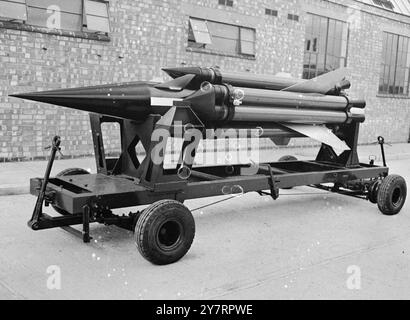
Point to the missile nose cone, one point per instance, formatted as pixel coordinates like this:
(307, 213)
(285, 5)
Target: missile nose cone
(127, 100)
(17, 95)
(27, 96)
(102, 94)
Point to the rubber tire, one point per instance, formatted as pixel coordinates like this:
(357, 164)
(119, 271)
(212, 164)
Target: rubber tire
(373, 191)
(151, 221)
(287, 158)
(386, 191)
(68, 172)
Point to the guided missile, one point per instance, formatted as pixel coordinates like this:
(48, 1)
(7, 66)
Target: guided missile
(223, 100)
(212, 103)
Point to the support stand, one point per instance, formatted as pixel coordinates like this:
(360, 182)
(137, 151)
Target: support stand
(153, 134)
(38, 209)
(349, 158)
(86, 224)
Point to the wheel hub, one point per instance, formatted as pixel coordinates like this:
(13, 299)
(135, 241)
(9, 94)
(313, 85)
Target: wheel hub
(397, 197)
(169, 235)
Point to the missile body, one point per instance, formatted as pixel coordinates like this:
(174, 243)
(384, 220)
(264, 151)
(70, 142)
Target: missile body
(270, 98)
(247, 105)
(288, 115)
(259, 81)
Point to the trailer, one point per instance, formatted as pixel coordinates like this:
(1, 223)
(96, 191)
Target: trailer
(165, 229)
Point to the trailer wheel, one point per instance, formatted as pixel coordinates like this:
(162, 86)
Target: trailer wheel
(68, 172)
(392, 194)
(164, 232)
(287, 158)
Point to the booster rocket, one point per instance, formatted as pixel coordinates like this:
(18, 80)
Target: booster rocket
(261, 81)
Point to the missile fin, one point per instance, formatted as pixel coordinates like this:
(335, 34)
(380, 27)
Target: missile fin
(168, 118)
(177, 84)
(322, 84)
(180, 71)
(321, 134)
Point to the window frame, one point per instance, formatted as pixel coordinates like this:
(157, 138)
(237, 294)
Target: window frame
(238, 49)
(21, 3)
(226, 3)
(385, 4)
(385, 63)
(293, 17)
(31, 7)
(327, 40)
(81, 32)
(195, 33)
(84, 17)
(271, 12)
(242, 40)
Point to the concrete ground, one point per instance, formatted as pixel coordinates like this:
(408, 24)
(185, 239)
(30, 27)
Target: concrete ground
(250, 247)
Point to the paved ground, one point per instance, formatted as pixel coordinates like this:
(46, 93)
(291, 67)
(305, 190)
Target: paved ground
(299, 247)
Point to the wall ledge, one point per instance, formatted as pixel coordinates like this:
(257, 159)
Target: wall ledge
(57, 32)
(392, 96)
(216, 53)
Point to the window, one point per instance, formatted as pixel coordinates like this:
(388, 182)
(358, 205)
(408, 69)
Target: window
(221, 37)
(325, 45)
(200, 31)
(13, 10)
(395, 65)
(293, 17)
(96, 16)
(228, 3)
(384, 4)
(271, 12)
(74, 15)
(55, 14)
(247, 37)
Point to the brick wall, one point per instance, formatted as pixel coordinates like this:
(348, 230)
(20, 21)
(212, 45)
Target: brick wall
(148, 34)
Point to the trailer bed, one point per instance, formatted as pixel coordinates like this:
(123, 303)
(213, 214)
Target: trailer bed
(72, 193)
